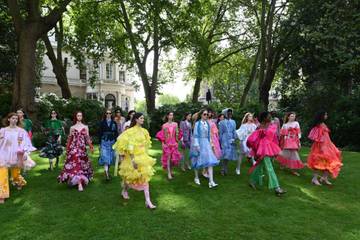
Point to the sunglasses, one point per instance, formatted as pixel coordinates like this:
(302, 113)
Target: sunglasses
(108, 113)
(205, 114)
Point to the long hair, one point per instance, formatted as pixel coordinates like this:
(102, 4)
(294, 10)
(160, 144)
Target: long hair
(166, 117)
(201, 113)
(75, 119)
(185, 115)
(263, 116)
(5, 121)
(129, 115)
(104, 115)
(319, 118)
(287, 115)
(246, 117)
(57, 114)
(135, 117)
(219, 116)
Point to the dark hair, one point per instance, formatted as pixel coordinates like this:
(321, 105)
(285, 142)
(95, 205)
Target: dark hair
(219, 116)
(57, 114)
(104, 115)
(136, 116)
(319, 118)
(185, 115)
(5, 121)
(75, 119)
(118, 110)
(209, 109)
(287, 115)
(201, 113)
(166, 117)
(25, 115)
(263, 116)
(129, 114)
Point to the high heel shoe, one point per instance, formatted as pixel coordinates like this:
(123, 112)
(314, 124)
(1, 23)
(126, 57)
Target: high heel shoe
(279, 191)
(212, 184)
(150, 206)
(125, 195)
(326, 181)
(107, 176)
(237, 171)
(316, 182)
(197, 181)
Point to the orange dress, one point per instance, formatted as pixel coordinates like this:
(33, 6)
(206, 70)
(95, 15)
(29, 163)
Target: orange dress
(324, 155)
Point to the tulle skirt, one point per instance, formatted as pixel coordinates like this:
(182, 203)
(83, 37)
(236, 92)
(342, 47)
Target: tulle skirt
(290, 158)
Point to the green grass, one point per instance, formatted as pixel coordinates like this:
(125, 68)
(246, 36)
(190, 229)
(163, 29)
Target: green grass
(48, 210)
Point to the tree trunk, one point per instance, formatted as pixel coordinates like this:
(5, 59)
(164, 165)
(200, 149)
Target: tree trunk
(58, 68)
(23, 89)
(251, 79)
(265, 88)
(198, 80)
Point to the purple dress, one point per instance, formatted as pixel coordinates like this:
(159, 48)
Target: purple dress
(185, 127)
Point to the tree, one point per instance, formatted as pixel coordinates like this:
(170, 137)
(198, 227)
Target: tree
(168, 99)
(59, 64)
(140, 33)
(211, 33)
(30, 25)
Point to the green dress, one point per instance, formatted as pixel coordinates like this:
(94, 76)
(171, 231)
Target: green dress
(53, 148)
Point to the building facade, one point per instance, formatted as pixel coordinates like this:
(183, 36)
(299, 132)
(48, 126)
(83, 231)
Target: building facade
(112, 86)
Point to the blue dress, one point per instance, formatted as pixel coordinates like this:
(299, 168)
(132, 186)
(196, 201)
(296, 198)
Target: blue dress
(228, 136)
(201, 152)
(108, 133)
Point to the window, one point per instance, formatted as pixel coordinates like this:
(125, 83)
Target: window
(83, 76)
(121, 76)
(109, 71)
(91, 96)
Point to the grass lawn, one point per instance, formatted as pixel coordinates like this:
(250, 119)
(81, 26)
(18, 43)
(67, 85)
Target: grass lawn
(45, 209)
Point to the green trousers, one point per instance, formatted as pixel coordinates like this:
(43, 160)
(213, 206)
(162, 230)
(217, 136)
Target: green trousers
(256, 176)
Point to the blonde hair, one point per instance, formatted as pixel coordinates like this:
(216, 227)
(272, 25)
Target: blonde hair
(245, 118)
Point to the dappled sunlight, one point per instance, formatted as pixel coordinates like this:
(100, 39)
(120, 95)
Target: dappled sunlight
(173, 202)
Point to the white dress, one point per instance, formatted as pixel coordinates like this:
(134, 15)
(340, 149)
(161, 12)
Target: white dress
(245, 130)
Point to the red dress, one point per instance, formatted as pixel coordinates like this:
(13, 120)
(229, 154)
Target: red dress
(324, 155)
(77, 166)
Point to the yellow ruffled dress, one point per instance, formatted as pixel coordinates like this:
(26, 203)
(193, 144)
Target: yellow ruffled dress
(136, 141)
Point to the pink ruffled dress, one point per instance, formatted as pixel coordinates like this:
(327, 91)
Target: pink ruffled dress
(263, 142)
(170, 135)
(290, 135)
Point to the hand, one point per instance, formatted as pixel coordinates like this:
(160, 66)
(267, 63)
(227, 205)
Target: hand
(92, 149)
(197, 148)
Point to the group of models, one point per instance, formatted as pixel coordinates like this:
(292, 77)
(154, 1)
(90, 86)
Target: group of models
(206, 140)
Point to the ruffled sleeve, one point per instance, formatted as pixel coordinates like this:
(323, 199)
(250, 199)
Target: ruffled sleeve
(316, 134)
(196, 134)
(160, 135)
(147, 139)
(241, 132)
(26, 142)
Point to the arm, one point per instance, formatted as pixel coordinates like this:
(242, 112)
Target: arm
(196, 135)
(88, 139)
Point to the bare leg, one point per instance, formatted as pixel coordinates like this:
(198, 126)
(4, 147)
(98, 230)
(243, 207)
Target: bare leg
(124, 191)
(148, 202)
(169, 169)
(239, 165)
